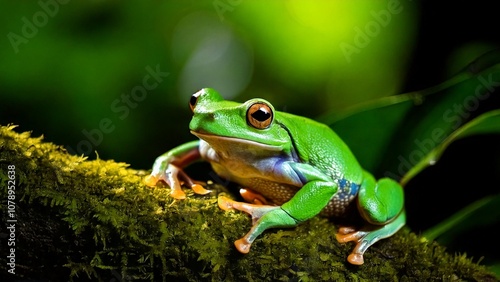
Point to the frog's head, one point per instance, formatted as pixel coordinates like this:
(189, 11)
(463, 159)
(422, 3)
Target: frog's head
(217, 120)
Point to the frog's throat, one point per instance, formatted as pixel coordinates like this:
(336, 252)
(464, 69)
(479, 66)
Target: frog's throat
(217, 139)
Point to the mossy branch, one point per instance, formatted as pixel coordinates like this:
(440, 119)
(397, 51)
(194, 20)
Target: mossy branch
(96, 220)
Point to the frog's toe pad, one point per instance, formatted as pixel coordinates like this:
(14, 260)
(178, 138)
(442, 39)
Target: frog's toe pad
(356, 259)
(225, 203)
(343, 238)
(253, 197)
(151, 180)
(178, 194)
(242, 245)
(198, 189)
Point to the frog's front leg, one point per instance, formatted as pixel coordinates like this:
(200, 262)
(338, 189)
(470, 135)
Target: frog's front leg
(306, 203)
(380, 204)
(168, 167)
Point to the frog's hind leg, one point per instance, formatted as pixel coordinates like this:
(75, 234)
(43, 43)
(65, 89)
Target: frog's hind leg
(368, 237)
(381, 204)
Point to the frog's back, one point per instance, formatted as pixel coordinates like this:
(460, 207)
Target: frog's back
(318, 145)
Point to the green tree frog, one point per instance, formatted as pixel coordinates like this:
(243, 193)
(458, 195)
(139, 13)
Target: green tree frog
(292, 168)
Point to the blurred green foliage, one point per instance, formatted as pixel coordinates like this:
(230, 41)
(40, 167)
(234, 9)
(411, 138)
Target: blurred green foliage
(66, 67)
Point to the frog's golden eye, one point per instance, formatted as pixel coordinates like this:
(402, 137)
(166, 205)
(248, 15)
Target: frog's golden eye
(260, 115)
(193, 100)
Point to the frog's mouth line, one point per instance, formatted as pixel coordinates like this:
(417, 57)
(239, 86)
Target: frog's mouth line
(211, 139)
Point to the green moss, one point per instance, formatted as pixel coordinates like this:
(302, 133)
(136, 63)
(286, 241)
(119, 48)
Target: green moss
(96, 220)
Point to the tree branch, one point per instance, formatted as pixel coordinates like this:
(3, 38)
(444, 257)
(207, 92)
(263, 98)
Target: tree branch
(86, 220)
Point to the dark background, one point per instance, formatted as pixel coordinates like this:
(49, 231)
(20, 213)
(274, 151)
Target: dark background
(469, 169)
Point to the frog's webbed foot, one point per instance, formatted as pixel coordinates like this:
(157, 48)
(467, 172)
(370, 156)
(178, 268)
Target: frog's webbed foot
(263, 217)
(175, 177)
(255, 204)
(254, 210)
(366, 237)
(347, 234)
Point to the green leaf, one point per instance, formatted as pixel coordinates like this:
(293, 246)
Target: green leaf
(374, 121)
(391, 135)
(486, 123)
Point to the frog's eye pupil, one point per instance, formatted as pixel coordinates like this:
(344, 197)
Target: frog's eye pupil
(193, 100)
(260, 115)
